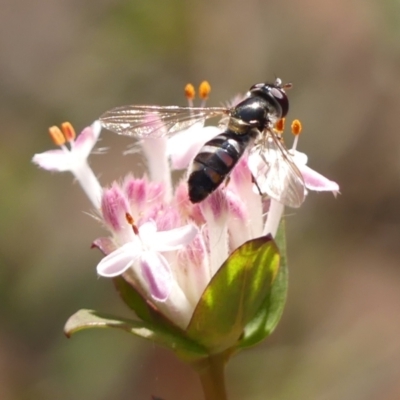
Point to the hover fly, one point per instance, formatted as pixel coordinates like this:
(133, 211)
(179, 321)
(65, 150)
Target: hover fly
(248, 126)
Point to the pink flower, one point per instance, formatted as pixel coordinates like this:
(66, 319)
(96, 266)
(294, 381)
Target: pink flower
(148, 236)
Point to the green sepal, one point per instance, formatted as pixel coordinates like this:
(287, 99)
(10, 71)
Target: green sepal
(136, 302)
(234, 295)
(270, 312)
(185, 348)
(142, 307)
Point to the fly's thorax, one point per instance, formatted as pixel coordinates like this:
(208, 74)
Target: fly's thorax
(238, 126)
(252, 111)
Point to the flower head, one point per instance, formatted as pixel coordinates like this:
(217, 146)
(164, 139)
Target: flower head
(162, 244)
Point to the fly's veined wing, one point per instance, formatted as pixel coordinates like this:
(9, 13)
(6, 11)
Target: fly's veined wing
(156, 121)
(278, 176)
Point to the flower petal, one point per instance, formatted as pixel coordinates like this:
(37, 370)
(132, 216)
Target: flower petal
(299, 157)
(114, 207)
(317, 182)
(183, 147)
(157, 274)
(174, 239)
(105, 244)
(147, 232)
(85, 142)
(119, 260)
(54, 160)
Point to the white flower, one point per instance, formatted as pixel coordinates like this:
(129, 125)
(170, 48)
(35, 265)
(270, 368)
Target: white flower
(74, 158)
(143, 254)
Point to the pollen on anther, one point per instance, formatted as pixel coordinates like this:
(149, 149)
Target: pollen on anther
(68, 131)
(189, 91)
(131, 222)
(56, 135)
(280, 125)
(204, 90)
(296, 127)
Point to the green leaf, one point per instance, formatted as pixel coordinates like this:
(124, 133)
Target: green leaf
(234, 295)
(87, 319)
(270, 312)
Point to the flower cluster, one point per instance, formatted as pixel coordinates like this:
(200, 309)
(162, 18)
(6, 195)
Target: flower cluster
(167, 248)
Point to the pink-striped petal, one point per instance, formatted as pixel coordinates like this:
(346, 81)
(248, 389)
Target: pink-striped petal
(157, 274)
(85, 142)
(317, 182)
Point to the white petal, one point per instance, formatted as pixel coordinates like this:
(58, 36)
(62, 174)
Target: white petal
(157, 274)
(299, 157)
(183, 147)
(119, 260)
(96, 128)
(174, 238)
(54, 160)
(147, 232)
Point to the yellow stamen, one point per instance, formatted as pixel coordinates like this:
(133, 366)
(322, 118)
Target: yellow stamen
(189, 91)
(296, 127)
(204, 90)
(68, 131)
(280, 125)
(56, 135)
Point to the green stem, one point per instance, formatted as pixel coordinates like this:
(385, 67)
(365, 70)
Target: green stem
(211, 373)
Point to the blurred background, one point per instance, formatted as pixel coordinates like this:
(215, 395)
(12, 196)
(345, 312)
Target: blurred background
(72, 60)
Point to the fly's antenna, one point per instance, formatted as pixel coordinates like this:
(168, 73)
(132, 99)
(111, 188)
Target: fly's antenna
(278, 83)
(287, 85)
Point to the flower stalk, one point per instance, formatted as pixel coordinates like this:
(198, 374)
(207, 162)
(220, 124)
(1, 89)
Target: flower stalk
(211, 372)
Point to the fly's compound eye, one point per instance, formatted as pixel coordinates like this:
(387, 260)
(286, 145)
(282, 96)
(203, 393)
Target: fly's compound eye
(277, 93)
(281, 99)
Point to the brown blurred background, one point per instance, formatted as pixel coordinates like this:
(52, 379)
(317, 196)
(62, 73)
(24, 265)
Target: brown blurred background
(71, 60)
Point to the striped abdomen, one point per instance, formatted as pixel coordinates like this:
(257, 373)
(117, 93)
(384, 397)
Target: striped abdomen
(214, 162)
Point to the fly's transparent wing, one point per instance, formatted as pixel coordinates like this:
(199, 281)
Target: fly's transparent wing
(276, 174)
(156, 121)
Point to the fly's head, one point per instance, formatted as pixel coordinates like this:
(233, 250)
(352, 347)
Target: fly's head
(275, 96)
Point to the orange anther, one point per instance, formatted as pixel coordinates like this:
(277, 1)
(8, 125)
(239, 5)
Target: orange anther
(68, 131)
(204, 90)
(296, 127)
(189, 91)
(131, 222)
(56, 135)
(280, 125)
(129, 219)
